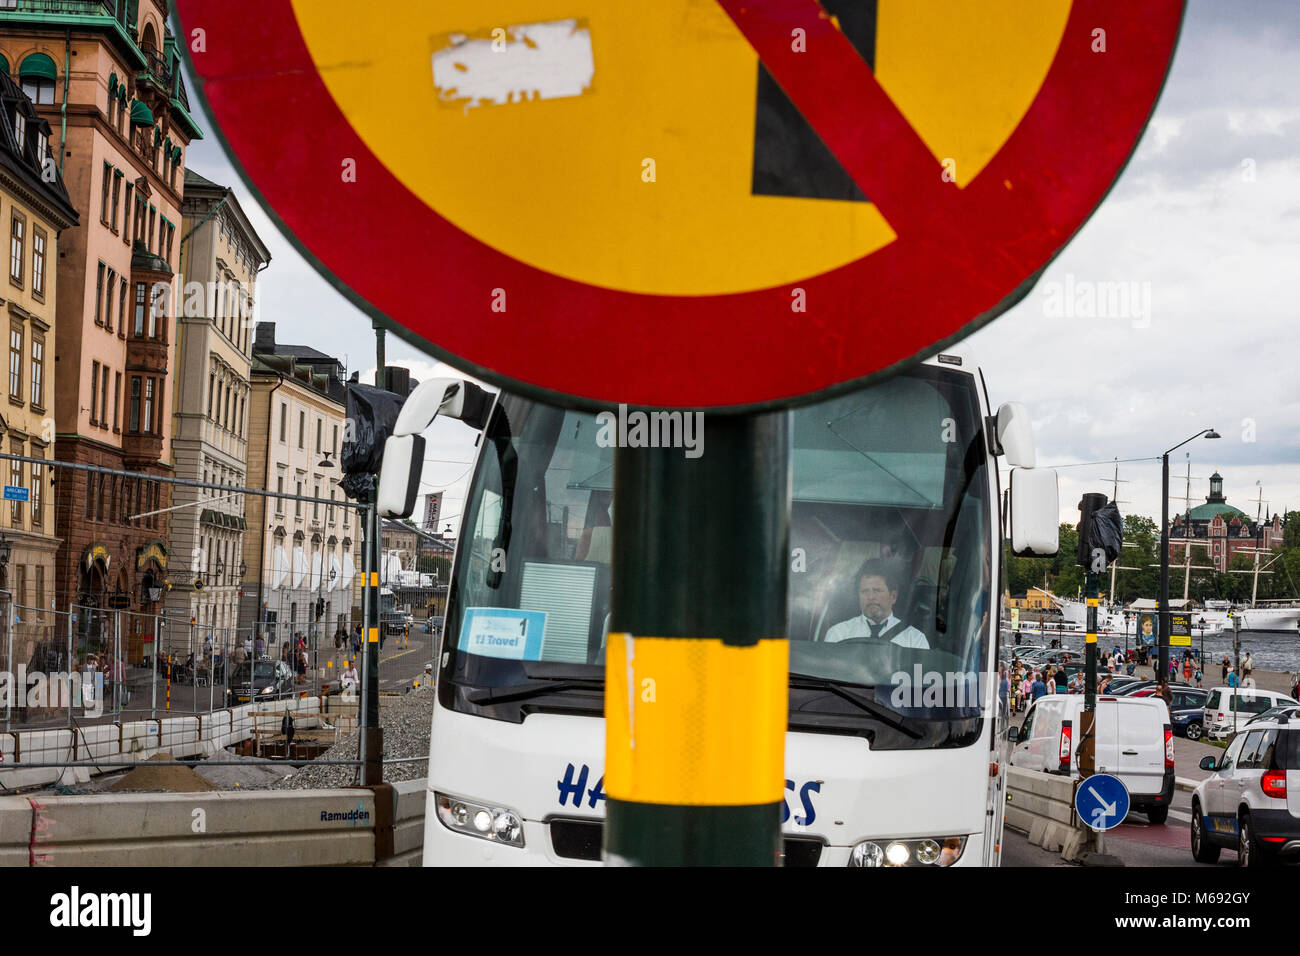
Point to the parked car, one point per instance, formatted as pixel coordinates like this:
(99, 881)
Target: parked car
(1273, 712)
(271, 681)
(1133, 737)
(1228, 709)
(1246, 804)
(1187, 712)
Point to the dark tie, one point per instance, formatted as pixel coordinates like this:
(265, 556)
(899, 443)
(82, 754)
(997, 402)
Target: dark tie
(875, 628)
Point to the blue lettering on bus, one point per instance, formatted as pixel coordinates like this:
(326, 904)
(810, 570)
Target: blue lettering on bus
(805, 797)
(570, 789)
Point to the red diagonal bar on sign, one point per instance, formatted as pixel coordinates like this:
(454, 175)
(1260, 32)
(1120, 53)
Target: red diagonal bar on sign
(835, 90)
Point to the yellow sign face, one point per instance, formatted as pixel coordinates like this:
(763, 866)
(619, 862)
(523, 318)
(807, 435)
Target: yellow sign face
(613, 143)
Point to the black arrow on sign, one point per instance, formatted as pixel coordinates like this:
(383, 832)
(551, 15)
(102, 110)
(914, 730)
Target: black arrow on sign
(790, 159)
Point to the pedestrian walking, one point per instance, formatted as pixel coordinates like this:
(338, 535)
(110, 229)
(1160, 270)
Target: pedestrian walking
(1226, 665)
(1232, 677)
(1247, 665)
(1187, 669)
(1038, 687)
(259, 647)
(1197, 676)
(356, 640)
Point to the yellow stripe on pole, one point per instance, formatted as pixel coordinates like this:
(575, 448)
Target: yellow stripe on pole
(1094, 602)
(374, 635)
(1090, 639)
(695, 722)
(374, 579)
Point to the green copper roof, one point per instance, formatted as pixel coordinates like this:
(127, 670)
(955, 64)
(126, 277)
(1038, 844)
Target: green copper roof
(1207, 511)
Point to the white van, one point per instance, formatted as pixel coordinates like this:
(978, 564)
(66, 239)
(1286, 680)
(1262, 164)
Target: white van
(1220, 719)
(1134, 742)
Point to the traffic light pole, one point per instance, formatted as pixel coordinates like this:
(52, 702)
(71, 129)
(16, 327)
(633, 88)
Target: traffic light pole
(697, 658)
(372, 735)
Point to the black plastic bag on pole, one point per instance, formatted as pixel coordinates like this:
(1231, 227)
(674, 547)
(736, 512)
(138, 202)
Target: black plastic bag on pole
(372, 413)
(1106, 531)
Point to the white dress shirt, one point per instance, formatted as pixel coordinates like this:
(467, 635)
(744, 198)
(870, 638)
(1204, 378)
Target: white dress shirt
(860, 627)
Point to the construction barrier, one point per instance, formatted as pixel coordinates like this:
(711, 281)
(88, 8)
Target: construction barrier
(200, 735)
(1042, 805)
(348, 827)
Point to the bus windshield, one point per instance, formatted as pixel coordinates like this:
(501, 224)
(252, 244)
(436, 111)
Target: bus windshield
(889, 565)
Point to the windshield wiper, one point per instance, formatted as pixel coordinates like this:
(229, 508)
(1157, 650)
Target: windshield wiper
(497, 695)
(879, 711)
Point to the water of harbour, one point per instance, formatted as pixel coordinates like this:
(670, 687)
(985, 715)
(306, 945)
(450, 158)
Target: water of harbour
(1271, 650)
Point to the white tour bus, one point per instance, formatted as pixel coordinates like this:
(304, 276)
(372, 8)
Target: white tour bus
(892, 749)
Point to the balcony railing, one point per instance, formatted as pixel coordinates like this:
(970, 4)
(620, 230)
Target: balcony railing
(155, 70)
(72, 8)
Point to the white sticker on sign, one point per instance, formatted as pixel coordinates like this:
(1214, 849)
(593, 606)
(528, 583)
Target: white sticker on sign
(503, 632)
(529, 62)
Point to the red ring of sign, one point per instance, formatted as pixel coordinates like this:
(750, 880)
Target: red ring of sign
(962, 256)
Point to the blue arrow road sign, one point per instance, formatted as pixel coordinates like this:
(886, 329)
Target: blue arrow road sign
(1101, 801)
(16, 493)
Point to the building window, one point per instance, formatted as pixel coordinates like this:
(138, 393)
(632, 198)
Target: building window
(284, 421)
(16, 479)
(279, 492)
(126, 214)
(117, 195)
(149, 241)
(121, 307)
(38, 263)
(38, 371)
(117, 397)
(329, 515)
(16, 363)
(297, 505)
(20, 129)
(103, 399)
(319, 426)
(109, 299)
(139, 310)
(94, 391)
(133, 415)
(17, 231)
(148, 405)
(336, 441)
(302, 429)
(20, 583)
(212, 384)
(105, 190)
(155, 311)
(99, 294)
(39, 89)
(40, 585)
(38, 491)
(315, 505)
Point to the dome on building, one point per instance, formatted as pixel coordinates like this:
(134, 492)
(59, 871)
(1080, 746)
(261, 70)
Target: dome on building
(1207, 512)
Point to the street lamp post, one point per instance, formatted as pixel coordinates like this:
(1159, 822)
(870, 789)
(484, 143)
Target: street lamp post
(1162, 639)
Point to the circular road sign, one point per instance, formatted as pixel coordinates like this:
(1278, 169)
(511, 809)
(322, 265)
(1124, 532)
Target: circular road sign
(732, 203)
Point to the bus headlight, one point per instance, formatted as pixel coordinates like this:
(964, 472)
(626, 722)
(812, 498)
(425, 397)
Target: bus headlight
(928, 851)
(474, 819)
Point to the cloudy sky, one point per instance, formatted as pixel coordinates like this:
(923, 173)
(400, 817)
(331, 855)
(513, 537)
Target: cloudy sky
(1205, 221)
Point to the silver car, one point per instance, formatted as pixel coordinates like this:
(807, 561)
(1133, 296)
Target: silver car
(1251, 802)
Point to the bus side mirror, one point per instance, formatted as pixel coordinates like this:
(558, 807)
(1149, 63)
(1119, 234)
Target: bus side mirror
(1034, 513)
(403, 460)
(1015, 435)
(1207, 763)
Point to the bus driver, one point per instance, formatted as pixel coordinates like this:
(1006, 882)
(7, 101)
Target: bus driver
(877, 594)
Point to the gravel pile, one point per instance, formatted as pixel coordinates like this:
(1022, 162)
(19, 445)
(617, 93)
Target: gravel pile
(406, 722)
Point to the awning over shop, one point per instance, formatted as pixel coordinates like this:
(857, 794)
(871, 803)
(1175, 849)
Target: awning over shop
(279, 568)
(299, 567)
(349, 571)
(38, 66)
(317, 566)
(141, 115)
